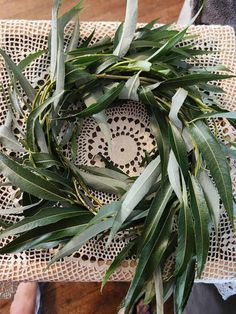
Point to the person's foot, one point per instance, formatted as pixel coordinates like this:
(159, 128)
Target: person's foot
(24, 299)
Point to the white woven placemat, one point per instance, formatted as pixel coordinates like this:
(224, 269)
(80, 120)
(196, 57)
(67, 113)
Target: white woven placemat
(129, 125)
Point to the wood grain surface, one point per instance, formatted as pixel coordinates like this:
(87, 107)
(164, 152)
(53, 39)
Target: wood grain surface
(99, 10)
(85, 298)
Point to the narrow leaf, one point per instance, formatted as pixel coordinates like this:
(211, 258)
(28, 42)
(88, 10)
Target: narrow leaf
(201, 217)
(117, 262)
(129, 91)
(30, 58)
(216, 162)
(173, 171)
(27, 181)
(159, 291)
(102, 103)
(136, 193)
(29, 90)
(212, 197)
(128, 29)
(32, 118)
(79, 240)
(179, 148)
(44, 217)
(177, 102)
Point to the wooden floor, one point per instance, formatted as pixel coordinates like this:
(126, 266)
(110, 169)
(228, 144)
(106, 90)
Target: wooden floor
(85, 298)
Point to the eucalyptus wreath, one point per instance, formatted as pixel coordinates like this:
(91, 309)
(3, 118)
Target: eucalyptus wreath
(182, 177)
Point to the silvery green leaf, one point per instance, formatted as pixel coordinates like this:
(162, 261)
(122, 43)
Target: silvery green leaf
(79, 240)
(187, 139)
(60, 71)
(201, 220)
(15, 102)
(227, 115)
(30, 58)
(216, 162)
(28, 181)
(100, 117)
(136, 193)
(9, 141)
(74, 38)
(143, 65)
(105, 172)
(174, 176)
(60, 62)
(152, 86)
(54, 39)
(108, 62)
(33, 116)
(130, 89)
(159, 291)
(105, 184)
(117, 261)
(45, 216)
(29, 90)
(211, 195)
(177, 102)
(40, 136)
(128, 29)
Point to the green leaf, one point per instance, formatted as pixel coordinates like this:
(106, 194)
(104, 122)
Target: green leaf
(128, 29)
(105, 184)
(105, 172)
(168, 45)
(192, 79)
(227, 115)
(185, 247)
(37, 237)
(54, 38)
(155, 213)
(159, 291)
(30, 58)
(29, 182)
(149, 258)
(9, 141)
(32, 118)
(44, 217)
(83, 237)
(212, 197)
(117, 262)
(78, 76)
(118, 34)
(158, 126)
(216, 162)
(40, 138)
(100, 117)
(29, 90)
(101, 104)
(88, 39)
(173, 171)
(177, 101)
(45, 160)
(74, 38)
(179, 148)
(129, 91)
(136, 193)
(183, 287)
(201, 218)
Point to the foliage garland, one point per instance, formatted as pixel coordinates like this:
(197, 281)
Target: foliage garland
(186, 176)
